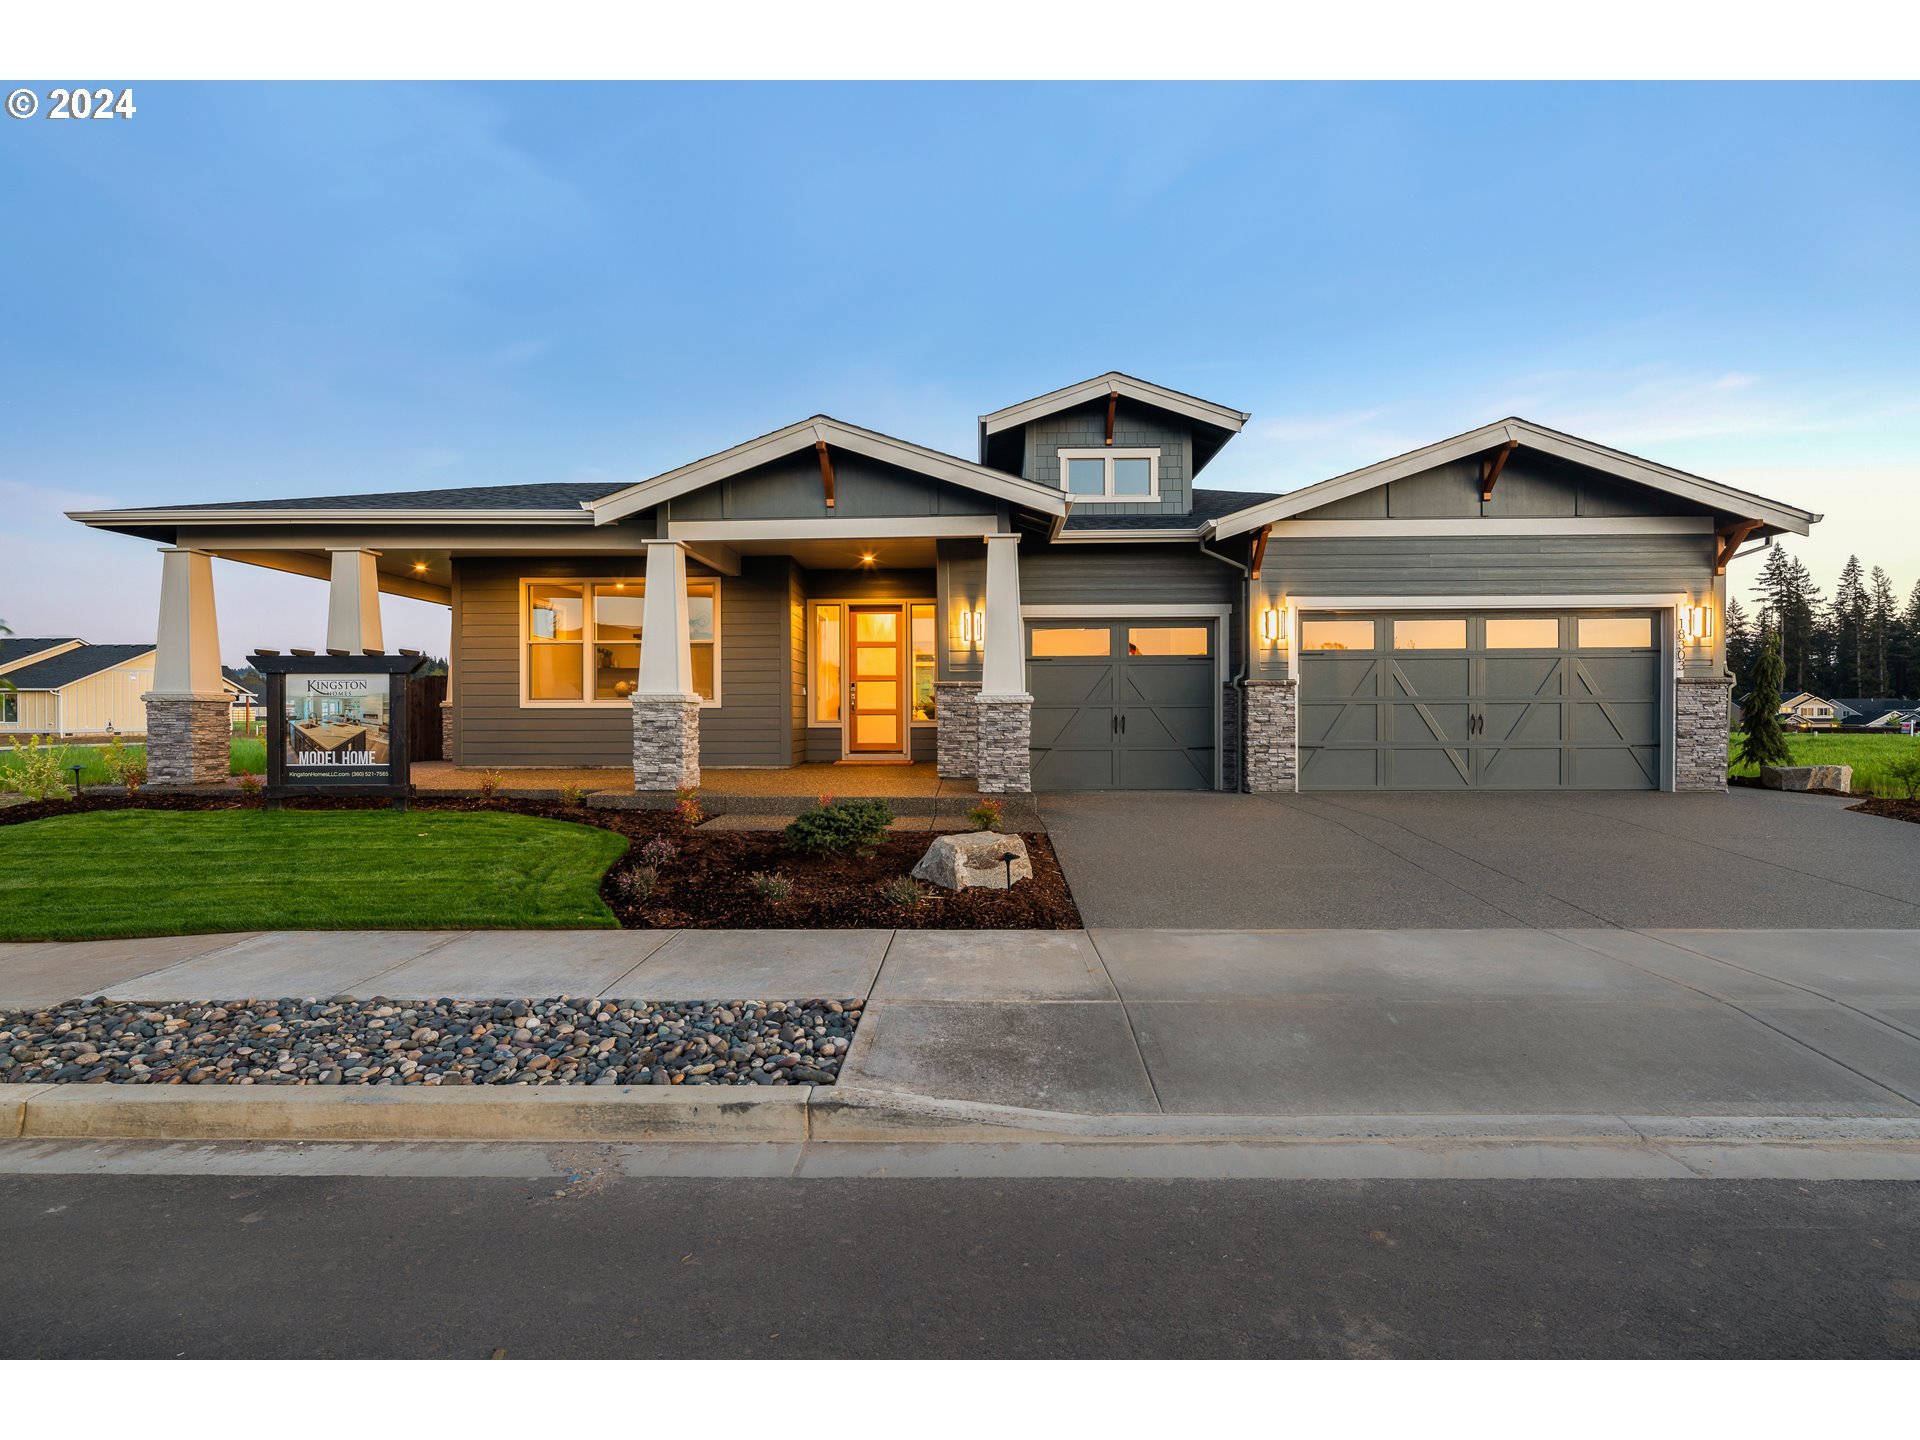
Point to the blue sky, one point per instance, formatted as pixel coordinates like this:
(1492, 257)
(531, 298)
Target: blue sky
(259, 290)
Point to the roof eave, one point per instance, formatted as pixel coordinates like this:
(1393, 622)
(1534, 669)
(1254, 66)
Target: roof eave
(1144, 391)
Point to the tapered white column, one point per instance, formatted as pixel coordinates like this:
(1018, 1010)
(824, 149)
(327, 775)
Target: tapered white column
(1003, 670)
(666, 707)
(188, 724)
(353, 602)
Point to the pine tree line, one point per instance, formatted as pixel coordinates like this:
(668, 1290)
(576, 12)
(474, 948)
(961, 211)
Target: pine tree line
(1861, 642)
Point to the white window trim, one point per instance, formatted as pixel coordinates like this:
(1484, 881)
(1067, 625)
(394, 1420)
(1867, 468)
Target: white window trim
(1110, 454)
(806, 685)
(586, 638)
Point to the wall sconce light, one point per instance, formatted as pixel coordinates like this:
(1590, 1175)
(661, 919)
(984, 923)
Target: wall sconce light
(1696, 624)
(1273, 626)
(973, 626)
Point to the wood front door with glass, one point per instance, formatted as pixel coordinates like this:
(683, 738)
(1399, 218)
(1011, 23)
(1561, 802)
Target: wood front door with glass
(876, 687)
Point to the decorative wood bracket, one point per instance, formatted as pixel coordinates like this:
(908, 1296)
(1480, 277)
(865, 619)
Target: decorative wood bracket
(1259, 551)
(1731, 539)
(1491, 466)
(1113, 400)
(826, 470)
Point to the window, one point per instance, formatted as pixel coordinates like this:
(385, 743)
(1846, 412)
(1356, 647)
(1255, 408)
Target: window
(1616, 632)
(583, 640)
(826, 665)
(922, 641)
(1430, 634)
(1111, 474)
(9, 709)
(1534, 633)
(1061, 642)
(1167, 639)
(1336, 635)
(832, 648)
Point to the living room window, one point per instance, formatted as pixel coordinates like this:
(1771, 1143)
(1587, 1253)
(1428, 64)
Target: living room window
(581, 640)
(1108, 474)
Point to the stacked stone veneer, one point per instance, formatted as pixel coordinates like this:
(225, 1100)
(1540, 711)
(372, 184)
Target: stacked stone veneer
(446, 731)
(666, 742)
(956, 728)
(1006, 740)
(1269, 712)
(189, 741)
(1700, 732)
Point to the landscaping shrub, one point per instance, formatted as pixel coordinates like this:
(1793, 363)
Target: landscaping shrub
(124, 767)
(640, 881)
(903, 891)
(985, 815)
(840, 827)
(658, 851)
(771, 886)
(686, 804)
(490, 782)
(39, 771)
(251, 785)
(573, 794)
(1904, 771)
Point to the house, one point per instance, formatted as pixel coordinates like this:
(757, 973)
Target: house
(249, 693)
(1068, 608)
(1875, 712)
(1807, 708)
(68, 687)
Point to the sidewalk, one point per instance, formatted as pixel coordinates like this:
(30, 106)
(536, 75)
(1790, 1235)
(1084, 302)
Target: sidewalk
(1136, 1024)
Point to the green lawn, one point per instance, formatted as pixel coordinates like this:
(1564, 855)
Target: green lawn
(249, 757)
(160, 872)
(1868, 754)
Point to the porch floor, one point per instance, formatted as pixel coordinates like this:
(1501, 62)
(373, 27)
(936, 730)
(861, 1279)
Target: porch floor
(802, 782)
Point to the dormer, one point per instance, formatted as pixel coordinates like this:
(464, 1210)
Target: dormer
(1114, 444)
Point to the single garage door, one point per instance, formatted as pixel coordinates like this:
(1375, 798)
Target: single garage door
(1524, 701)
(1122, 706)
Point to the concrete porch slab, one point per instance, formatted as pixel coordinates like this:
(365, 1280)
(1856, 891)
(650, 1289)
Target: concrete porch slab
(760, 964)
(306, 964)
(497, 964)
(44, 974)
(1006, 965)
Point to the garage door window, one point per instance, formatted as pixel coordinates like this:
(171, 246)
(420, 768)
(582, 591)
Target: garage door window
(1430, 634)
(1336, 635)
(1616, 632)
(1532, 633)
(1069, 643)
(1167, 639)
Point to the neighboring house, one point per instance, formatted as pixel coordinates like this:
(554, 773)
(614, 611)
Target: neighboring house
(1807, 708)
(1907, 717)
(1874, 712)
(1068, 609)
(69, 687)
(249, 693)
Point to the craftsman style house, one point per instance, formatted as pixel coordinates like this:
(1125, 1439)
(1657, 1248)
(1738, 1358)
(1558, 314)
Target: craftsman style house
(1067, 609)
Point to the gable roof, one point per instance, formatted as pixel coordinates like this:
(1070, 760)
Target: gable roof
(1870, 708)
(14, 648)
(245, 682)
(72, 665)
(562, 501)
(1711, 493)
(1793, 702)
(1113, 383)
(838, 434)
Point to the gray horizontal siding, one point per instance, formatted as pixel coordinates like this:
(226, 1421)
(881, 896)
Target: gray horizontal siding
(792, 489)
(1134, 427)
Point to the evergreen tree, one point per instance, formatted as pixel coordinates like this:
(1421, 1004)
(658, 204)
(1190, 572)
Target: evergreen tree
(1883, 620)
(1763, 744)
(1847, 632)
(1742, 641)
(1906, 647)
(1791, 609)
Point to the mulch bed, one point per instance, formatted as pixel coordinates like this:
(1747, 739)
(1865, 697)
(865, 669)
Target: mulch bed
(1890, 809)
(705, 886)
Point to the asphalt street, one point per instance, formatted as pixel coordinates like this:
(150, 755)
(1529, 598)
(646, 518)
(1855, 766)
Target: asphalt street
(113, 1265)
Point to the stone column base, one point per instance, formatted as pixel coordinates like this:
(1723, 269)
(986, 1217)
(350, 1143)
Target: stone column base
(189, 740)
(666, 742)
(1006, 740)
(956, 723)
(446, 731)
(1269, 713)
(1700, 732)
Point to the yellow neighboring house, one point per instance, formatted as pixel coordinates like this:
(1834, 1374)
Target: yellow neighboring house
(67, 687)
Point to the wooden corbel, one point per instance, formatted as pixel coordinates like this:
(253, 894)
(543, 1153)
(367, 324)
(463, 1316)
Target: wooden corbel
(1491, 466)
(826, 470)
(1113, 400)
(1731, 539)
(1259, 552)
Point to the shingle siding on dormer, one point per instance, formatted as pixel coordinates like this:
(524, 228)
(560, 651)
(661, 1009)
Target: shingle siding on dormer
(1134, 427)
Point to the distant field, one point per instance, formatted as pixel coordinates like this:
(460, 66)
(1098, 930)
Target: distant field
(249, 757)
(1867, 754)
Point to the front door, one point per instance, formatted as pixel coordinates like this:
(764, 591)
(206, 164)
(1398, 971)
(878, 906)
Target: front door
(876, 690)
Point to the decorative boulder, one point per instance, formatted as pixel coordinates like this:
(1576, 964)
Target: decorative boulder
(1808, 777)
(961, 862)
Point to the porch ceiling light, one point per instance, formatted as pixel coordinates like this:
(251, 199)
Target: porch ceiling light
(419, 567)
(867, 557)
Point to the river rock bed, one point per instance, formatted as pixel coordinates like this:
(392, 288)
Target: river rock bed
(342, 1041)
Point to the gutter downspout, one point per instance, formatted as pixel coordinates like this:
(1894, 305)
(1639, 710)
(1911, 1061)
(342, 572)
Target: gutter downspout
(1238, 680)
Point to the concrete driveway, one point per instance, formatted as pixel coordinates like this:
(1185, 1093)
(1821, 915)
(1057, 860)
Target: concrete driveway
(1538, 860)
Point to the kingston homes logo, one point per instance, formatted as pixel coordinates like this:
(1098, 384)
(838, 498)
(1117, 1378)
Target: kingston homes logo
(337, 687)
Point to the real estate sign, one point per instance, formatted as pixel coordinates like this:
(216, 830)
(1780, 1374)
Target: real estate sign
(338, 724)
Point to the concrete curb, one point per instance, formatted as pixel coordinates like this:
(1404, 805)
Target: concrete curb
(799, 1114)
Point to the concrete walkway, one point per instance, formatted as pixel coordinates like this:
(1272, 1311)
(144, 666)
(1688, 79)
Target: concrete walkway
(1505, 1022)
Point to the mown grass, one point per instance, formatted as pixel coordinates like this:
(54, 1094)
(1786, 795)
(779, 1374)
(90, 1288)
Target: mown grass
(248, 757)
(1869, 756)
(157, 872)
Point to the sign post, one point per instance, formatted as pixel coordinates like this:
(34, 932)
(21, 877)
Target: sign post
(337, 725)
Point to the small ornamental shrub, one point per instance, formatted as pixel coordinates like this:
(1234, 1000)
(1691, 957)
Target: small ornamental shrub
(686, 804)
(573, 794)
(771, 886)
(250, 785)
(840, 827)
(124, 766)
(489, 783)
(39, 770)
(1904, 771)
(640, 881)
(658, 851)
(985, 815)
(903, 891)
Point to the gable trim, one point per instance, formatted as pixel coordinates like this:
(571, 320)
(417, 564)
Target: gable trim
(1099, 388)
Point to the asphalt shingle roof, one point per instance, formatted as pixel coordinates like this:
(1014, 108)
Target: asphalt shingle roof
(13, 648)
(558, 496)
(1207, 505)
(72, 665)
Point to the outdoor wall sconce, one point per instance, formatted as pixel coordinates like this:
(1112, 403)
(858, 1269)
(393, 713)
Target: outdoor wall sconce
(1696, 624)
(1273, 626)
(973, 626)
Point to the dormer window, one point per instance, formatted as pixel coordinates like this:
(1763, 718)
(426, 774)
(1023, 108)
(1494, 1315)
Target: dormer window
(1110, 474)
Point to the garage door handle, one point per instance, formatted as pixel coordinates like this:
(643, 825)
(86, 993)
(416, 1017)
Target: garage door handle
(1123, 724)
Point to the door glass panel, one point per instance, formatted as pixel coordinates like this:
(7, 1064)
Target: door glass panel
(1087, 477)
(923, 639)
(1533, 633)
(872, 660)
(1616, 632)
(1053, 643)
(826, 664)
(1132, 477)
(1430, 634)
(1167, 639)
(882, 626)
(876, 730)
(1336, 635)
(877, 695)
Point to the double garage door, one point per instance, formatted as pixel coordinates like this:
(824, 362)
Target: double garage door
(1524, 701)
(1125, 705)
